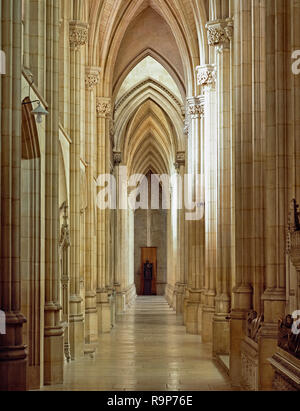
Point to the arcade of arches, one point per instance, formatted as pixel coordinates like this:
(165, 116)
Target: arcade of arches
(175, 87)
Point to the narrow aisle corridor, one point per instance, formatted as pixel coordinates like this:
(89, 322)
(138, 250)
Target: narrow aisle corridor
(148, 350)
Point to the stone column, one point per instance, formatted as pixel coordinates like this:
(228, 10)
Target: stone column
(195, 228)
(274, 297)
(53, 342)
(104, 286)
(12, 349)
(206, 76)
(221, 41)
(90, 240)
(78, 38)
(120, 239)
(220, 34)
(180, 263)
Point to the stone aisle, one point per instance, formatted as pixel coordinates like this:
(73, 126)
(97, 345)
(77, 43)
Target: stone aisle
(148, 350)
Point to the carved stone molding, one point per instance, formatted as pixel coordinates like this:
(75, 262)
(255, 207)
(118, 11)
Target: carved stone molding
(206, 76)
(78, 34)
(180, 160)
(103, 107)
(288, 339)
(91, 77)
(117, 158)
(287, 374)
(293, 235)
(186, 128)
(64, 244)
(254, 324)
(219, 33)
(249, 364)
(64, 241)
(195, 107)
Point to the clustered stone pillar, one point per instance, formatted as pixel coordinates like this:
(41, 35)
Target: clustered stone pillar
(12, 349)
(274, 297)
(53, 342)
(121, 256)
(206, 76)
(241, 184)
(195, 226)
(219, 36)
(104, 285)
(78, 38)
(90, 274)
(180, 263)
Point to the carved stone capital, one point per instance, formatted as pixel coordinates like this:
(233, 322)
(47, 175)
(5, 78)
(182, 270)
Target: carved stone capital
(103, 107)
(180, 160)
(195, 108)
(206, 76)
(219, 33)
(78, 34)
(91, 77)
(117, 158)
(180, 157)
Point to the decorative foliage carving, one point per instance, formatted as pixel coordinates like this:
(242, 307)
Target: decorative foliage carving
(287, 339)
(64, 241)
(117, 158)
(254, 323)
(64, 244)
(296, 226)
(103, 107)
(219, 33)
(180, 159)
(91, 77)
(195, 108)
(78, 34)
(186, 127)
(249, 371)
(206, 76)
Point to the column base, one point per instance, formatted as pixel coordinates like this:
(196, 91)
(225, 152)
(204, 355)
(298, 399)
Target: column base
(13, 375)
(54, 356)
(91, 319)
(120, 303)
(130, 296)
(13, 361)
(194, 313)
(76, 328)
(179, 296)
(53, 346)
(207, 324)
(274, 308)
(237, 321)
(104, 312)
(267, 347)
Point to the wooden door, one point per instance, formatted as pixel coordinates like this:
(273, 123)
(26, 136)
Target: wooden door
(149, 254)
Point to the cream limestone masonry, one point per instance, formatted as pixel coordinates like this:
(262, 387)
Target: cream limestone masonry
(161, 87)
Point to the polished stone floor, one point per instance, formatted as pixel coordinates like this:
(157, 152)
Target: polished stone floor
(148, 350)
